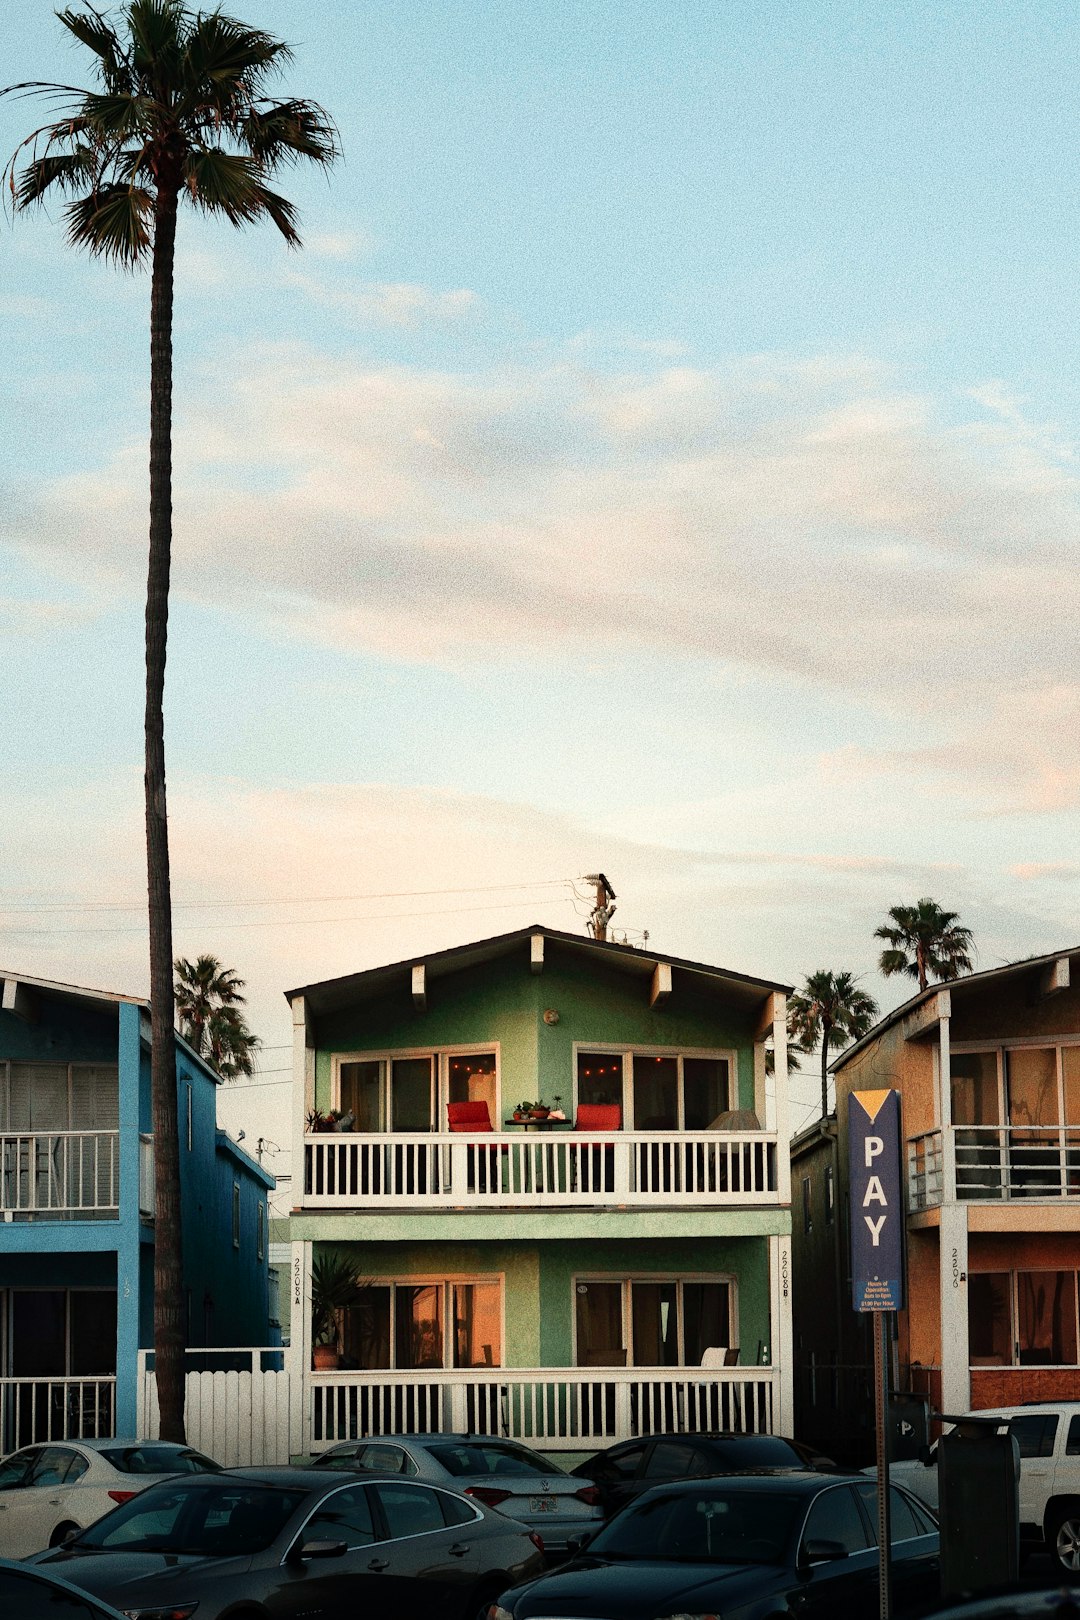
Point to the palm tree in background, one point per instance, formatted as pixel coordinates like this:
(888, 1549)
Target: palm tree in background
(925, 941)
(209, 997)
(180, 111)
(830, 1009)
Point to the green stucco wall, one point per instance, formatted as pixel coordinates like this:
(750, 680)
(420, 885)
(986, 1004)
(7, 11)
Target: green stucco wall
(503, 1002)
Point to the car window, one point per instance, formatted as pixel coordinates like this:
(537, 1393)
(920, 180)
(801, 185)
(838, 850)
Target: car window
(904, 1523)
(13, 1471)
(671, 1459)
(621, 1462)
(455, 1509)
(347, 1461)
(51, 1466)
(716, 1522)
(159, 1460)
(834, 1516)
(756, 1451)
(1072, 1442)
(383, 1459)
(22, 1597)
(1035, 1433)
(410, 1510)
(221, 1515)
(492, 1457)
(76, 1468)
(345, 1516)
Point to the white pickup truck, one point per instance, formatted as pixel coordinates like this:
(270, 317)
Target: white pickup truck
(1048, 1434)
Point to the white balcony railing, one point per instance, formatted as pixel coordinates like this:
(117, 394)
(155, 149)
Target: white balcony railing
(569, 1409)
(995, 1162)
(60, 1175)
(147, 1178)
(35, 1410)
(633, 1168)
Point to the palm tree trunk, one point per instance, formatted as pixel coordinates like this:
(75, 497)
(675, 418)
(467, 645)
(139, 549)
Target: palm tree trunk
(168, 1272)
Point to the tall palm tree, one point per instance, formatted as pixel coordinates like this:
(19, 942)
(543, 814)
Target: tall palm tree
(829, 1008)
(180, 111)
(209, 997)
(924, 940)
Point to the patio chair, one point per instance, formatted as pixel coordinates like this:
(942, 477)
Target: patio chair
(600, 1164)
(475, 1118)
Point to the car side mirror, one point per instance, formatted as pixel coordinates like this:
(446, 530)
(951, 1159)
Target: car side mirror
(927, 1456)
(578, 1543)
(823, 1552)
(318, 1549)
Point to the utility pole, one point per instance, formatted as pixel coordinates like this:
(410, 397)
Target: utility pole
(604, 909)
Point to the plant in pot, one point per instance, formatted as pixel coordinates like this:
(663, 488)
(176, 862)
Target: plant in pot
(334, 1288)
(531, 1110)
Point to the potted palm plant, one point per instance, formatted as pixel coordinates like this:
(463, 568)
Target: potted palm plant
(334, 1288)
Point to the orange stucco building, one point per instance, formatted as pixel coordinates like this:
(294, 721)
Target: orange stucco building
(988, 1069)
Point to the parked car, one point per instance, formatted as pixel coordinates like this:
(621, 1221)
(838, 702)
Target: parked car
(741, 1546)
(623, 1472)
(501, 1474)
(1048, 1434)
(36, 1594)
(284, 1542)
(1058, 1604)
(48, 1491)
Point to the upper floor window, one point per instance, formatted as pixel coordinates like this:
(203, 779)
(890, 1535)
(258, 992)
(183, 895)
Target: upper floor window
(658, 1091)
(59, 1096)
(1028, 1087)
(411, 1093)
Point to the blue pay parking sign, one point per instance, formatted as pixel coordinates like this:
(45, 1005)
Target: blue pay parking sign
(877, 1217)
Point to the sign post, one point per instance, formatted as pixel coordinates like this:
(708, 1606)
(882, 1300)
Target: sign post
(877, 1267)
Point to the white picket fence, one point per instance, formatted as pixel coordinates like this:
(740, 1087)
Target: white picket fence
(240, 1417)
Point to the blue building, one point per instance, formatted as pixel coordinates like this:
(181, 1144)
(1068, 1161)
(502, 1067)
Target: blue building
(77, 1204)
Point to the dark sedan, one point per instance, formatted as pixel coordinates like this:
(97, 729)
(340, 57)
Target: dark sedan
(27, 1594)
(742, 1546)
(288, 1544)
(623, 1472)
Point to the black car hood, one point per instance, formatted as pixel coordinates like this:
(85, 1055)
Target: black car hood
(123, 1577)
(632, 1590)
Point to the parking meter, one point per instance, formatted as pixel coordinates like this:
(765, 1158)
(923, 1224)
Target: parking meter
(978, 1464)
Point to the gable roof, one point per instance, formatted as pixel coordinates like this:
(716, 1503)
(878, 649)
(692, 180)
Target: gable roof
(70, 992)
(956, 987)
(330, 994)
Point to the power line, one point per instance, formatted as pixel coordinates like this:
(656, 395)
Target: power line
(299, 922)
(284, 900)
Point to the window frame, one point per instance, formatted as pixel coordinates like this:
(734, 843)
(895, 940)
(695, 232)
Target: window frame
(626, 1281)
(447, 1284)
(1014, 1273)
(1001, 1049)
(440, 1083)
(627, 1053)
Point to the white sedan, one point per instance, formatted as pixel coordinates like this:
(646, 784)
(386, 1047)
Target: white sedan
(48, 1490)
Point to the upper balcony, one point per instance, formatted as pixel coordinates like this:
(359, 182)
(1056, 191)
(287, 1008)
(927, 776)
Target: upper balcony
(993, 1163)
(529, 1170)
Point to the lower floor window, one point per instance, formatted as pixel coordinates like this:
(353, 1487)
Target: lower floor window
(638, 1322)
(1022, 1318)
(60, 1333)
(413, 1325)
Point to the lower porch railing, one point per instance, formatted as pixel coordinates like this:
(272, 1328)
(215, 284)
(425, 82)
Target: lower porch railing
(570, 1408)
(36, 1410)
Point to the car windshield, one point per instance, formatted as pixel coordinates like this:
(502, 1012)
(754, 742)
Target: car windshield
(493, 1457)
(757, 1451)
(159, 1460)
(712, 1524)
(225, 1516)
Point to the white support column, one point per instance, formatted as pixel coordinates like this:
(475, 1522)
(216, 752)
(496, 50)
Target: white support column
(955, 1377)
(303, 1092)
(780, 1350)
(780, 1086)
(299, 1350)
(944, 1099)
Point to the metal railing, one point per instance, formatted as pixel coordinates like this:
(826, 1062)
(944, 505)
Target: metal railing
(60, 1175)
(35, 1410)
(995, 1162)
(571, 1408)
(650, 1168)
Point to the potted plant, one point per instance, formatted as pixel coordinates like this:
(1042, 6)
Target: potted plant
(318, 1121)
(531, 1110)
(334, 1288)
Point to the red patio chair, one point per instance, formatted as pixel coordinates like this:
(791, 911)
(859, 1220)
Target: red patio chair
(475, 1118)
(601, 1162)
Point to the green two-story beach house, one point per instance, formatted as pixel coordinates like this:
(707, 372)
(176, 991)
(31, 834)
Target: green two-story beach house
(556, 1169)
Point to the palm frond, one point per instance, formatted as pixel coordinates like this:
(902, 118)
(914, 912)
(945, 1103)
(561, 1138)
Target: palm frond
(114, 223)
(230, 184)
(118, 116)
(220, 50)
(158, 40)
(287, 131)
(95, 31)
(67, 171)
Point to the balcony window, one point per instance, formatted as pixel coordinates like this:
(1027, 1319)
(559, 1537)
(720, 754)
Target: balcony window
(1022, 1318)
(362, 1095)
(975, 1088)
(411, 1326)
(643, 1322)
(44, 1097)
(658, 1091)
(470, 1077)
(1031, 1076)
(410, 1093)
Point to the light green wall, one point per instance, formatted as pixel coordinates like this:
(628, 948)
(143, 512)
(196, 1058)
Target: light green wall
(539, 1281)
(502, 1001)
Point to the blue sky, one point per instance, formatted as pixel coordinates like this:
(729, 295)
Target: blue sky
(661, 457)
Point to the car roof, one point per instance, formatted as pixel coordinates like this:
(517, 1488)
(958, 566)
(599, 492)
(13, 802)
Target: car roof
(106, 1444)
(754, 1479)
(440, 1439)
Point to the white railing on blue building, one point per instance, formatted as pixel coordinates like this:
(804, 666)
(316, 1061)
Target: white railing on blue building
(642, 1168)
(36, 1410)
(59, 1175)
